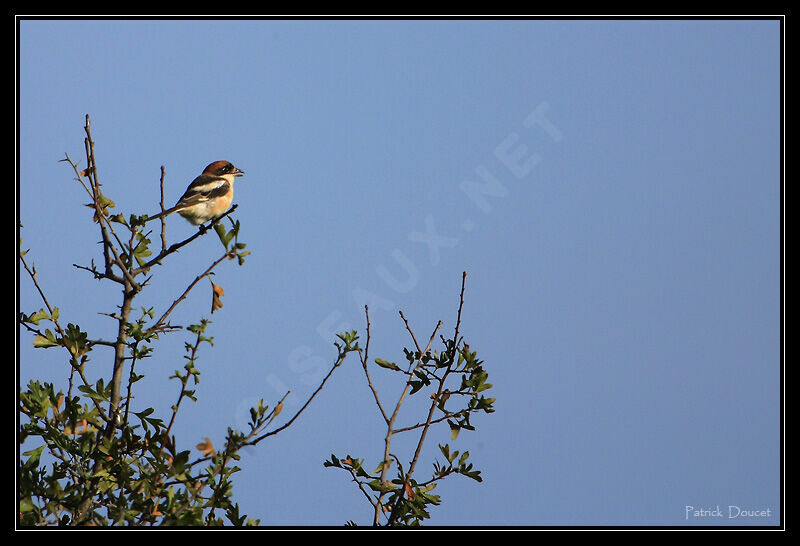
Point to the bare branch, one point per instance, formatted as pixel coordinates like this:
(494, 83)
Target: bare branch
(185, 293)
(364, 361)
(163, 220)
(302, 409)
(177, 246)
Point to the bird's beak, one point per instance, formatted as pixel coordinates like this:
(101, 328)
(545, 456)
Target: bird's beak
(238, 172)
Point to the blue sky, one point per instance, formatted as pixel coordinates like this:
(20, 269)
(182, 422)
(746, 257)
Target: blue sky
(622, 251)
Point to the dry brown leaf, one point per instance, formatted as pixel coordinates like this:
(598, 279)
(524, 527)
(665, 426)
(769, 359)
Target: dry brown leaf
(82, 427)
(216, 294)
(207, 448)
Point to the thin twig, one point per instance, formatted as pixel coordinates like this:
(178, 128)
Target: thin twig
(163, 221)
(419, 360)
(364, 362)
(302, 409)
(361, 486)
(433, 422)
(185, 293)
(248, 439)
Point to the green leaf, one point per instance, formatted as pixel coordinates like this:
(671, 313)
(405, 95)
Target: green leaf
(333, 462)
(386, 364)
(224, 236)
(35, 318)
(455, 428)
(106, 202)
(45, 341)
(34, 456)
(75, 340)
(88, 391)
(376, 485)
(423, 377)
(415, 386)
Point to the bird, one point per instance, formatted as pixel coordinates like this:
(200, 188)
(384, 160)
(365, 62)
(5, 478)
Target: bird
(208, 196)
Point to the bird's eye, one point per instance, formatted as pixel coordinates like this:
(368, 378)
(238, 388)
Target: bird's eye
(226, 168)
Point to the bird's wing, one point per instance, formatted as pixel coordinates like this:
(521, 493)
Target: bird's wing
(203, 188)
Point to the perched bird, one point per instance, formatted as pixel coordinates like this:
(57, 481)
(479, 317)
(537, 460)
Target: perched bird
(208, 196)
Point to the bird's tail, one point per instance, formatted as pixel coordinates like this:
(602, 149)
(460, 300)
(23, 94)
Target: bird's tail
(162, 214)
